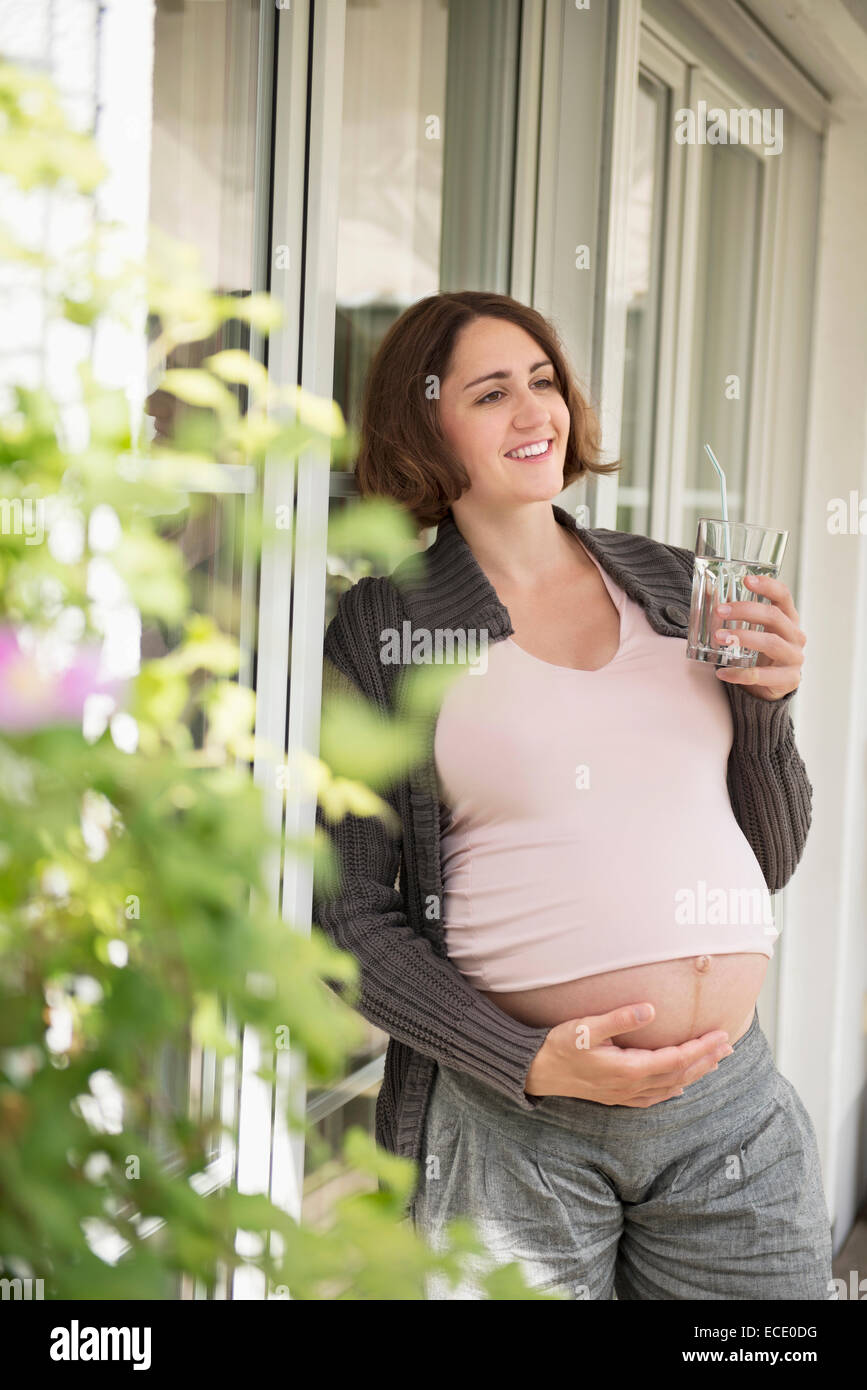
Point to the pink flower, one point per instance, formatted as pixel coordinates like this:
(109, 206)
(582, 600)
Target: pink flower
(38, 688)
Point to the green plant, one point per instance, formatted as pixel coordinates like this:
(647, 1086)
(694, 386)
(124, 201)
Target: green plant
(133, 909)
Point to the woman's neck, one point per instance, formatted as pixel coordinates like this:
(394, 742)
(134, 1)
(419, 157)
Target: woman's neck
(520, 547)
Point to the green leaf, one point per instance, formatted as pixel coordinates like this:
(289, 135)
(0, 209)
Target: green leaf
(234, 365)
(375, 527)
(255, 434)
(359, 743)
(204, 648)
(399, 1174)
(159, 694)
(198, 388)
(340, 797)
(260, 310)
(153, 570)
(207, 1026)
(421, 689)
(320, 413)
(231, 710)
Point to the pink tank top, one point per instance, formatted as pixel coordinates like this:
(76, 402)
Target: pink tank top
(590, 826)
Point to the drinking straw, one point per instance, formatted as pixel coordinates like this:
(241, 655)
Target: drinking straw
(722, 487)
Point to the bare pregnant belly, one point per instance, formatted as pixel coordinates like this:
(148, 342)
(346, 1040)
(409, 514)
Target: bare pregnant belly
(691, 997)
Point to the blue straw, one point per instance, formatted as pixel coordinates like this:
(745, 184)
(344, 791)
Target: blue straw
(725, 511)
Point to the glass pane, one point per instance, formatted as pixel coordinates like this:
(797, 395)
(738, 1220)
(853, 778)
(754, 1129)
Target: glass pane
(726, 287)
(644, 291)
(204, 131)
(391, 176)
(326, 1176)
(203, 159)
(411, 66)
(202, 194)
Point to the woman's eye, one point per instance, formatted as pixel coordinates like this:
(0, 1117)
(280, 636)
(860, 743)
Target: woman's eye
(543, 381)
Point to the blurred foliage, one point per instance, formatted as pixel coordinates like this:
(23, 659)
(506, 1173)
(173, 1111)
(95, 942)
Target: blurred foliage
(134, 914)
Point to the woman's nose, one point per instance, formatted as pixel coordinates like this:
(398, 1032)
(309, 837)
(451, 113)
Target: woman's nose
(530, 413)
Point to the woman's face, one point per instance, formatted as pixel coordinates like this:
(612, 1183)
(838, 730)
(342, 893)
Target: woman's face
(486, 420)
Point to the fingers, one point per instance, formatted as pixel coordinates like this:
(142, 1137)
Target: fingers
(645, 1076)
(780, 646)
(767, 614)
(652, 1098)
(678, 1085)
(779, 614)
(668, 1064)
(700, 1069)
(771, 644)
(777, 592)
(781, 679)
(596, 1029)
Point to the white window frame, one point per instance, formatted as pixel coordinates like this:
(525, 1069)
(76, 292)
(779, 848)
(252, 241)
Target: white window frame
(661, 64)
(689, 40)
(270, 1157)
(703, 87)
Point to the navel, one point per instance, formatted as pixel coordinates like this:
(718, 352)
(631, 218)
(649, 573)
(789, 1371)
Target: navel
(702, 966)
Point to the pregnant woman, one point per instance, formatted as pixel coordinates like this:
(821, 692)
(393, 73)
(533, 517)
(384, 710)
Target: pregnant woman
(567, 937)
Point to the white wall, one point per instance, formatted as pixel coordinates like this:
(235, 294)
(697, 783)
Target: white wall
(823, 997)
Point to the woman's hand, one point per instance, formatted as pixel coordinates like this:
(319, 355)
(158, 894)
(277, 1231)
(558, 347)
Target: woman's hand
(579, 1059)
(780, 646)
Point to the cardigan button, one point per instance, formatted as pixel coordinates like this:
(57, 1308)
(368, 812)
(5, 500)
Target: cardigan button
(676, 613)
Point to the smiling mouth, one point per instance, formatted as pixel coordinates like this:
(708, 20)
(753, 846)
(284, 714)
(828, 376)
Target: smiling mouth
(532, 453)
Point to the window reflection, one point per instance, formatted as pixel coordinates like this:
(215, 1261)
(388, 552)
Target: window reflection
(644, 290)
(725, 312)
(203, 160)
(201, 190)
(208, 532)
(391, 174)
(389, 239)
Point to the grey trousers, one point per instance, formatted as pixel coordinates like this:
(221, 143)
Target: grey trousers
(715, 1194)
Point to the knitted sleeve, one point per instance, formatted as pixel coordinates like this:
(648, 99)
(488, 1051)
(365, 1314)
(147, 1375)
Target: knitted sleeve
(406, 988)
(768, 786)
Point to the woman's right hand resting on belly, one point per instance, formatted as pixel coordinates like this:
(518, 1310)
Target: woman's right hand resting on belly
(579, 1059)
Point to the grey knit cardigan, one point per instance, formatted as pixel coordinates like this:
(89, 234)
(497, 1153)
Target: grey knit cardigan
(386, 911)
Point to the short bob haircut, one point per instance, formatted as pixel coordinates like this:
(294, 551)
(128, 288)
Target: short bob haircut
(404, 454)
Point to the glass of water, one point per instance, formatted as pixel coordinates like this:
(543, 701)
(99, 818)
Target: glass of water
(751, 550)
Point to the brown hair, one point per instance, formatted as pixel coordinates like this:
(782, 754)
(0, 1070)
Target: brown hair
(404, 453)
